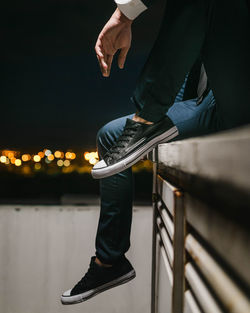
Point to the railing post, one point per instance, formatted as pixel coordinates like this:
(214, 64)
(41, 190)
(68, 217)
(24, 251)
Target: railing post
(154, 203)
(179, 253)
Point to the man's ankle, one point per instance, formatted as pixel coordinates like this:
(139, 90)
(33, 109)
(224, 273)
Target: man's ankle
(102, 264)
(137, 118)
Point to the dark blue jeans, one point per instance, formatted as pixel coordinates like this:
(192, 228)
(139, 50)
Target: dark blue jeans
(113, 234)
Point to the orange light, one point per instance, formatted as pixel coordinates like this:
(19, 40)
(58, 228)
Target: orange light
(59, 163)
(92, 157)
(3, 159)
(26, 157)
(66, 163)
(38, 166)
(18, 162)
(93, 161)
(10, 154)
(57, 154)
(87, 156)
(50, 157)
(6, 152)
(73, 156)
(68, 155)
(37, 158)
(12, 160)
(41, 154)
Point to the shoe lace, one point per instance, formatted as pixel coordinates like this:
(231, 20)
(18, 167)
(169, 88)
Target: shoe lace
(87, 277)
(121, 142)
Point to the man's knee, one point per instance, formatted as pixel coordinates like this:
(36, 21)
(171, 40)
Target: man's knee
(109, 133)
(104, 139)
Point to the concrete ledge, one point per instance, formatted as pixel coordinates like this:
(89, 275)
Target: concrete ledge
(215, 168)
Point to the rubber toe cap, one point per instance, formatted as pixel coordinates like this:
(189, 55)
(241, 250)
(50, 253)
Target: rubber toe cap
(67, 293)
(99, 165)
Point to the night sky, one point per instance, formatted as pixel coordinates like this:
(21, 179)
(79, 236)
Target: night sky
(52, 93)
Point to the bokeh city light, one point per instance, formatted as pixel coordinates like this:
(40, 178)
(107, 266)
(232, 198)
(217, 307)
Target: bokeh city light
(52, 162)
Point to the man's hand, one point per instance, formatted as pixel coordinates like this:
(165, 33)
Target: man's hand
(116, 35)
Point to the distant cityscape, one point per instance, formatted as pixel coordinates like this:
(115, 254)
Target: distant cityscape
(52, 162)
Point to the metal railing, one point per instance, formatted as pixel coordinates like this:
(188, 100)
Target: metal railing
(200, 250)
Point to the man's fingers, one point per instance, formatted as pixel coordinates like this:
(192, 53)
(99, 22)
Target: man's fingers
(122, 57)
(103, 65)
(101, 56)
(99, 48)
(109, 63)
(105, 52)
(99, 61)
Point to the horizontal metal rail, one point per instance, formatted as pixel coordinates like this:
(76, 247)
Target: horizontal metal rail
(166, 241)
(200, 290)
(167, 193)
(166, 263)
(167, 221)
(227, 291)
(190, 304)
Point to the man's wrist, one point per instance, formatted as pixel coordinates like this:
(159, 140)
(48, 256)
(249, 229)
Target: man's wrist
(121, 17)
(131, 8)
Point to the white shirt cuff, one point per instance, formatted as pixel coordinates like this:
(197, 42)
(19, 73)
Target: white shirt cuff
(131, 8)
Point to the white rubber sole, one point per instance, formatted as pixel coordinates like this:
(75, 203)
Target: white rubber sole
(135, 156)
(67, 300)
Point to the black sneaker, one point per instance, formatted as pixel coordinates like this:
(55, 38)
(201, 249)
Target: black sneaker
(99, 279)
(136, 141)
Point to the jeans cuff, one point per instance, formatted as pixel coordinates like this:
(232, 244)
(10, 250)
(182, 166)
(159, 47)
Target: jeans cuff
(108, 261)
(152, 112)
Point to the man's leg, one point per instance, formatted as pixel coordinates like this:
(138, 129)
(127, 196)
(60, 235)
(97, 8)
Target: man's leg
(109, 268)
(113, 233)
(176, 49)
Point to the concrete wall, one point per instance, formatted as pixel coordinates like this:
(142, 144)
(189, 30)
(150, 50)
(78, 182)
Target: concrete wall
(45, 250)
